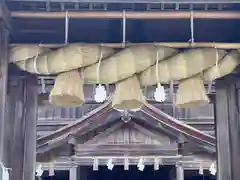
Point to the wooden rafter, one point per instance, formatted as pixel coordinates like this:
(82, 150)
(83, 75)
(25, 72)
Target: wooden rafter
(97, 116)
(174, 133)
(176, 125)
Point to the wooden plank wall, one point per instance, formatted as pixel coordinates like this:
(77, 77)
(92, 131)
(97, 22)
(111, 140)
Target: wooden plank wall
(18, 112)
(20, 141)
(228, 127)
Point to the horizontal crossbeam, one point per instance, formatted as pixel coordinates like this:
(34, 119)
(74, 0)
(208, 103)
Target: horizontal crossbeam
(140, 1)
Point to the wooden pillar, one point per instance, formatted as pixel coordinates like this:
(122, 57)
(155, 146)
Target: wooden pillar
(179, 171)
(227, 127)
(18, 112)
(22, 110)
(3, 79)
(73, 173)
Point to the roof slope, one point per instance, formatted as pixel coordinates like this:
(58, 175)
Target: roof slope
(105, 114)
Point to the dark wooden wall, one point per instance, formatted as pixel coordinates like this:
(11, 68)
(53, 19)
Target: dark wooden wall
(18, 112)
(3, 78)
(21, 126)
(228, 127)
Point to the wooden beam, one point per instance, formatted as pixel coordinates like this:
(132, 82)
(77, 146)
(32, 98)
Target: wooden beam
(125, 149)
(53, 144)
(186, 2)
(189, 162)
(73, 175)
(179, 171)
(128, 15)
(227, 105)
(65, 121)
(168, 44)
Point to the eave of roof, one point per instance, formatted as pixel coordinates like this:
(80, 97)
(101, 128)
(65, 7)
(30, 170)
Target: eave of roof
(99, 116)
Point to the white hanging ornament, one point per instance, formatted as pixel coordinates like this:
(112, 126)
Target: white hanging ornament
(156, 164)
(126, 163)
(100, 94)
(140, 164)
(51, 169)
(39, 170)
(95, 164)
(110, 164)
(200, 170)
(159, 94)
(212, 169)
(5, 173)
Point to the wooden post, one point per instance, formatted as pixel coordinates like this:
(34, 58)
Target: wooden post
(31, 103)
(180, 171)
(73, 173)
(227, 127)
(22, 110)
(18, 112)
(3, 81)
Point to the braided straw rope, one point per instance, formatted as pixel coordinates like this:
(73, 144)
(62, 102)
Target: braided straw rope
(116, 66)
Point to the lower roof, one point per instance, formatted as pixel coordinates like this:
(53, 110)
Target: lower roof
(105, 114)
